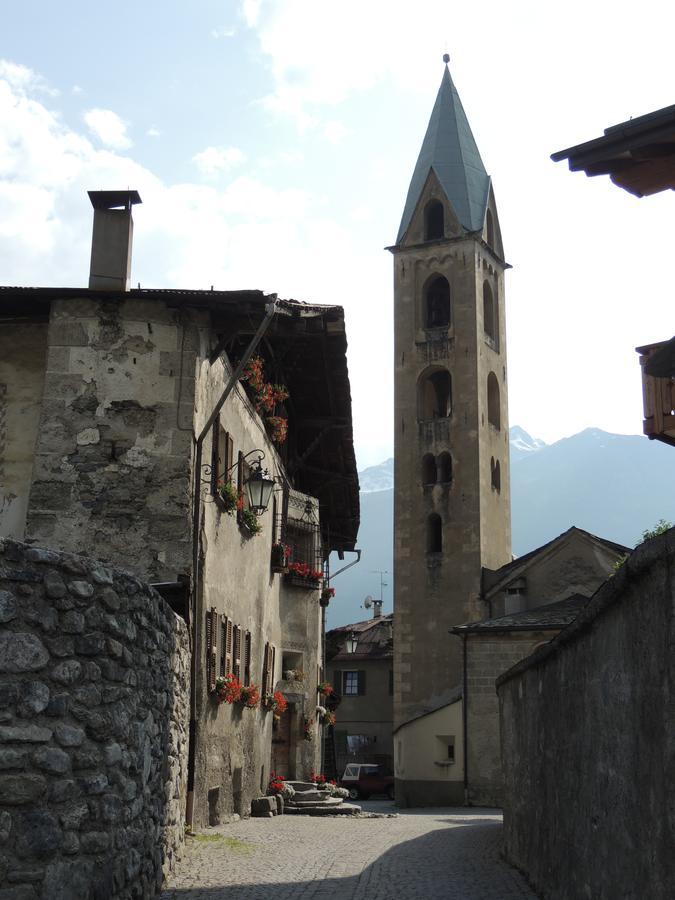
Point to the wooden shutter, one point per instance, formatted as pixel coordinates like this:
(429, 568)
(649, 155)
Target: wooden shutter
(223, 645)
(362, 682)
(214, 457)
(229, 454)
(240, 480)
(265, 669)
(228, 646)
(236, 661)
(273, 662)
(337, 682)
(247, 658)
(211, 647)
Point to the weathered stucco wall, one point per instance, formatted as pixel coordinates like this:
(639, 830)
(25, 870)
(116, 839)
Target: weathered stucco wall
(23, 351)
(424, 774)
(588, 731)
(112, 459)
(94, 675)
(234, 745)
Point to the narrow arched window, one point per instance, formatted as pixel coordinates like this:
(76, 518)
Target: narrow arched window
(495, 475)
(434, 534)
(434, 221)
(428, 469)
(490, 228)
(489, 313)
(493, 401)
(445, 468)
(434, 395)
(437, 303)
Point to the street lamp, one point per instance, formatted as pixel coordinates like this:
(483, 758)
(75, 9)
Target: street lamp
(259, 486)
(351, 642)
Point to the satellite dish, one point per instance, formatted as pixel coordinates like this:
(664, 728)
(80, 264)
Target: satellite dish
(368, 602)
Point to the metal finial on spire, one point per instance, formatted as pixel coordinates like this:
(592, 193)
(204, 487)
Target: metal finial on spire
(446, 58)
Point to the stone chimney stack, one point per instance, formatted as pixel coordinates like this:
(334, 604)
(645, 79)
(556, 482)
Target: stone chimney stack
(112, 238)
(377, 609)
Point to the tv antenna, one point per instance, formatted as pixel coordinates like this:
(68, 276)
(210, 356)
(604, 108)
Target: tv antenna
(383, 583)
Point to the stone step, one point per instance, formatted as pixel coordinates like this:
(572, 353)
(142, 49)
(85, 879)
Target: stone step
(310, 795)
(302, 785)
(306, 804)
(344, 809)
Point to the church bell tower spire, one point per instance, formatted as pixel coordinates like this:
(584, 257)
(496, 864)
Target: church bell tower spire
(451, 482)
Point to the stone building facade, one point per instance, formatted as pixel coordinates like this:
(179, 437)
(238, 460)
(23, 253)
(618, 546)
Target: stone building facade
(113, 444)
(451, 483)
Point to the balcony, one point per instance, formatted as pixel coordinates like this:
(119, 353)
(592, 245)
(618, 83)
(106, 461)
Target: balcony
(658, 391)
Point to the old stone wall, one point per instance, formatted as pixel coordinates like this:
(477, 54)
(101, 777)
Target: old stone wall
(94, 692)
(588, 731)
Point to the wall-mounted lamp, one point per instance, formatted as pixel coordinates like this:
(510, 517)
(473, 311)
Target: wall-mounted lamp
(259, 486)
(351, 643)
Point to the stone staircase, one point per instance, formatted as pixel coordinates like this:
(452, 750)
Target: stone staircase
(308, 800)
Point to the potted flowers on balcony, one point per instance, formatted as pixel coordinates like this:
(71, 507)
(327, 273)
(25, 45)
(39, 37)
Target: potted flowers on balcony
(249, 521)
(227, 497)
(325, 688)
(327, 595)
(275, 703)
(300, 574)
(325, 716)
(277, 785)
(280, 555)
(229, 689)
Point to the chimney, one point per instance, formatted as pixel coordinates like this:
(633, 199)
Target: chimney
(111, 241)
(377, 609)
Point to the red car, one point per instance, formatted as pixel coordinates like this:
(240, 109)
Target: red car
(364, 779)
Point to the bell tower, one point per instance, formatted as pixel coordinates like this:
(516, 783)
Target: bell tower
(452, 512)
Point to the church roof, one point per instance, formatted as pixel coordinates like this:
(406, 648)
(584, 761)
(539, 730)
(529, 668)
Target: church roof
(450, 150)
(541, 618)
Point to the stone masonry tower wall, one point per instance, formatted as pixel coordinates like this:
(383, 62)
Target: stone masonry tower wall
(451, 497)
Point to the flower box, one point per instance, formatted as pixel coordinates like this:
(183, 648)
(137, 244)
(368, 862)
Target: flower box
(306, 583)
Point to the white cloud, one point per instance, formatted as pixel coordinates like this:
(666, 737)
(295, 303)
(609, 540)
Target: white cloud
(335, 132)
(23, 79)
(215, 161)
(223, 32)
(153, 132)
(251, 12)
(76, 89)
(108, 127)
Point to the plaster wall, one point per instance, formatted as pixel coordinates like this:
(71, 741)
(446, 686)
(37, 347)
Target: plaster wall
(588, 730)
(488, 656)
(233, 746)
(424, 775)
(434, 591)
(370, 714)
(23, 350)
(112, 461)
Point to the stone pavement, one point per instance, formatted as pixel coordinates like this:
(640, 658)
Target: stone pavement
(427, 854)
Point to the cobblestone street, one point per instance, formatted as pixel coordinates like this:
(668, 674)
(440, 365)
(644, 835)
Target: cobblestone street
(418, 855)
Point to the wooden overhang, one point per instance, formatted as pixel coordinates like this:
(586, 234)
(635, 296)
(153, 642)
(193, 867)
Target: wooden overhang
(638, 155)
(305, 348)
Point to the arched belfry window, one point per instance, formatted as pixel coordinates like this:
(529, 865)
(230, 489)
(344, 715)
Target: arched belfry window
(493, 401)
(490, 228)
(434, 395)
(434, 221)
(444, 465)
(428, 469)
(495, 475)
(434, 534)
(437, 303)
(489, 313)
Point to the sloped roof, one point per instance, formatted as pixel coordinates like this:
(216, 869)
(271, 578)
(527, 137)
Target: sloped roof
(541, 618)
(374, 640)
(450, 150)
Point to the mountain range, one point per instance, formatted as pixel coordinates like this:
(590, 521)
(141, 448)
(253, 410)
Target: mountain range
(613, 485)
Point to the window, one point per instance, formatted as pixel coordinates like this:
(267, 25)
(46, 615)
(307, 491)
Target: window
(222, 456)
(353, 683)
(269, 665)
(495, 475)
(494, 415)
(445, 468)
(247, 657)
(225, 645)
(490, 228)
(434, 534)
(434, 395)
(445, 748)
(434, 221)
(358, 744)
(437, 303)
(211, 643)
(428, 469)
(489, 314)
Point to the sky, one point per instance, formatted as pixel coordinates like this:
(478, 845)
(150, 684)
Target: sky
(273, 141)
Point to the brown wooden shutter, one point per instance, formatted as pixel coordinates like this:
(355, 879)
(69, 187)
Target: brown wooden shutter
(223, 644)
(236, 661)
(247, 658)
(273, 662)
(265, 669)
(240, 481)
(337, 682)
(228, 646)
(211, 647)
(229, 454)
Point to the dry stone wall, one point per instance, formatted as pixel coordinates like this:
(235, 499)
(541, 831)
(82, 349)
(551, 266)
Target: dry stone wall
(94, 709)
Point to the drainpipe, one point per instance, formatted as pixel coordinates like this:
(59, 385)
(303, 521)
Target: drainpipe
(270, 311)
